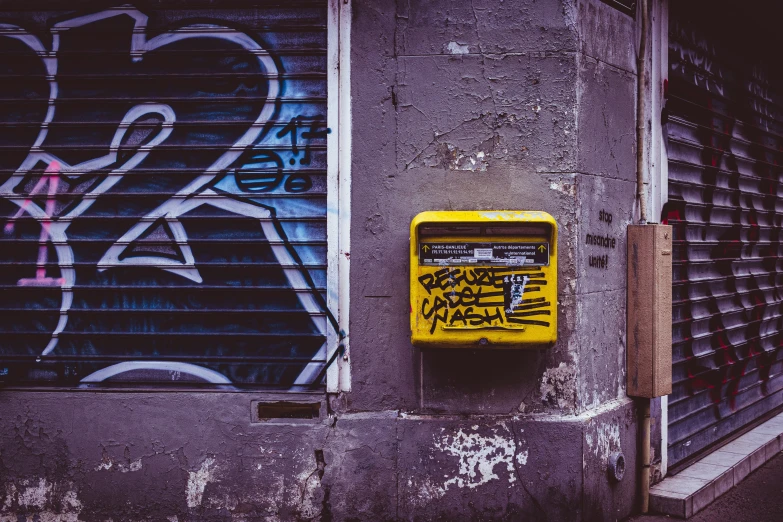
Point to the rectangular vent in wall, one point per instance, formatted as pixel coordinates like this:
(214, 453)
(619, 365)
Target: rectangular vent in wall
(287, 411)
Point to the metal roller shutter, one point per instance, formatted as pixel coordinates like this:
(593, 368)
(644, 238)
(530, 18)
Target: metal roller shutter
(163, 194)
(725, 146)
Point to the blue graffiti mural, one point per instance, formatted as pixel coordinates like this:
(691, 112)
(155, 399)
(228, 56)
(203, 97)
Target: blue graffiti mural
(163, 187)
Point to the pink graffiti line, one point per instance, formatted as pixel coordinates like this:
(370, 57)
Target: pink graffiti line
(51, 176)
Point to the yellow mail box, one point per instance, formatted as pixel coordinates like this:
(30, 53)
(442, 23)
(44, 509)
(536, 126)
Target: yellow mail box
(483, 279)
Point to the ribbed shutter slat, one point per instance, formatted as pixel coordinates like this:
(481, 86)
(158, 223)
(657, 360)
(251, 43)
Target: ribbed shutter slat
(163, 188)
(725, 147)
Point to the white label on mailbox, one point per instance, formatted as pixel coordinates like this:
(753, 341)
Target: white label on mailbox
(485, 253)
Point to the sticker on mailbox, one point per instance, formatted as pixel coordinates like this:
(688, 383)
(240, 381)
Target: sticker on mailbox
(516, 254)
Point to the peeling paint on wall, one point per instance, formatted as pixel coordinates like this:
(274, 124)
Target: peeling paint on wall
(455, 48)
(34, 495)
(305, 492)
(453, 158)
(133, 466)
(40, 500)
(479, 456)
(197, 481)
(604, 440)
(522, 458)
(558, 387)
(107, 464)
(567, 187)
(425, 491)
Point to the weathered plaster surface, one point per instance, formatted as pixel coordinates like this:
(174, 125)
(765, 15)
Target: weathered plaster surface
(198, 480)
(478, 456)
(369, 466)
(456, 105)
(558, 387)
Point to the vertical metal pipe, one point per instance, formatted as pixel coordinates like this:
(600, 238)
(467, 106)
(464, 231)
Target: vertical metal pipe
(645, 478)
(641, 118)
(641, 191)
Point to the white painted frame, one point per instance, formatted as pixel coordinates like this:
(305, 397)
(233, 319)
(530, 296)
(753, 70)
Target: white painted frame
(658, 167)
(338, 200)
(659, 72)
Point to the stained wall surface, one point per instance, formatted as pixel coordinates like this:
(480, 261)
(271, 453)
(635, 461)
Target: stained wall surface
(485, 105)
(464, 113)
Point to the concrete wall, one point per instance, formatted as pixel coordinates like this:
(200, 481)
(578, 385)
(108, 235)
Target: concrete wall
(523, 104)
(514, 105)
(457, 111)
(197, 456)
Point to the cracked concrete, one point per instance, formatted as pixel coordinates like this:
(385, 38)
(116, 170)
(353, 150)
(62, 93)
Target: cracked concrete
(346, 466)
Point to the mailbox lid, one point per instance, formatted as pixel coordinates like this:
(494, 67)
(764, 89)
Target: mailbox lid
(483, 217)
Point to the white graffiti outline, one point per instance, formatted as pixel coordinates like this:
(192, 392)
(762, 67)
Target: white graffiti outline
(193, 195)
(57, 229)
(191, 369)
